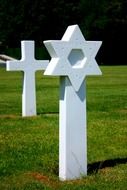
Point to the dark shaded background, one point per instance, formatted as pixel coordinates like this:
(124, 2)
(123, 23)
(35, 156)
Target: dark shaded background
(48, 19)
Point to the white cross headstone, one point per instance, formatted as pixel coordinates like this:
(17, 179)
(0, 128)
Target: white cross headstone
(29, 65)
(73, 58)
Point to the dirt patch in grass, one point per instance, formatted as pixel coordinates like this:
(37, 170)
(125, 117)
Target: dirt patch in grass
(123, 111)
(10, 116)
(46, 180)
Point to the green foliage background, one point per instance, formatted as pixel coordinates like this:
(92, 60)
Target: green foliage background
(45, 19)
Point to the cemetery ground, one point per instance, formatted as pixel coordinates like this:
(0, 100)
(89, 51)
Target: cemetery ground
(29, 146)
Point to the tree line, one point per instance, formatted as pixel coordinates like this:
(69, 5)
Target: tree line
(48, 19)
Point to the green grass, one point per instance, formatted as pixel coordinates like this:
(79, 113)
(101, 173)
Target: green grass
(29, 146)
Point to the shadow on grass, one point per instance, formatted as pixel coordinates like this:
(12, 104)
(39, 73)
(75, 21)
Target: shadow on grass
(94, 167)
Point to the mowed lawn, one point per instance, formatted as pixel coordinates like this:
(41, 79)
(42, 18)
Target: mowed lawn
(29, 146)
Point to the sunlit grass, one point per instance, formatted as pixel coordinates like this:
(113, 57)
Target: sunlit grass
(29, 146)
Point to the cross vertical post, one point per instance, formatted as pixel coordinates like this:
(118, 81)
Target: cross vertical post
(29, 95)
(29, 65)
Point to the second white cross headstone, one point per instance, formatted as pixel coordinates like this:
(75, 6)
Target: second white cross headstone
(29, 65)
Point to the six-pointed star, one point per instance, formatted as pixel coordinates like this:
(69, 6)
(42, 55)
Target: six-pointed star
(73, 56)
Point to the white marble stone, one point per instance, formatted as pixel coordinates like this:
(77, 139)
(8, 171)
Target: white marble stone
(72, 58)
(29, 65)
(72, 132)
(65, 52)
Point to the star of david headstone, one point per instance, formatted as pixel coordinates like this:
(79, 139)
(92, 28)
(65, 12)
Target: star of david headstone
(72, 58)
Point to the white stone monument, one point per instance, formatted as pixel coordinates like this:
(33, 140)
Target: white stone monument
(73, 58)
(29, 65)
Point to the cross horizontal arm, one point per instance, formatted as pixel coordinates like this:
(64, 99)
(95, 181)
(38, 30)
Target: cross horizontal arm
(15, 66)
(41, 65)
